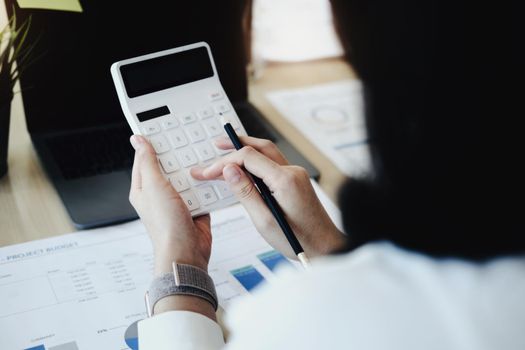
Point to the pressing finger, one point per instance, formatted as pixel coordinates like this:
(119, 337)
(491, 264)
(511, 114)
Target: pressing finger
(247, 157)
(266, 147)
(245, 191)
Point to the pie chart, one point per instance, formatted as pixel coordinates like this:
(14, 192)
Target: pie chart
(131, 336)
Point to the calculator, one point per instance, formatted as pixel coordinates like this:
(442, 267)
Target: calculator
(175, 99)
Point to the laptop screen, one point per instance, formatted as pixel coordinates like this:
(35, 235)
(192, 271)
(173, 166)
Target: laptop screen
(70, 85)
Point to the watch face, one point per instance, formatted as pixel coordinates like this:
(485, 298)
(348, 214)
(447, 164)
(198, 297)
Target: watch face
(131, 336)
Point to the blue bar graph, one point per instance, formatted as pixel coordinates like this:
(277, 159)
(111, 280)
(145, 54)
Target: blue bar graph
(248, 276)
(38, 347)
(272, 259)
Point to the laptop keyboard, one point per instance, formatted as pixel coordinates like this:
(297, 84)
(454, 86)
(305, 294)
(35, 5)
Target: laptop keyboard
(92, 152)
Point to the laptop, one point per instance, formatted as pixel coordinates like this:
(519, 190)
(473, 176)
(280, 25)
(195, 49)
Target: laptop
(72, 111)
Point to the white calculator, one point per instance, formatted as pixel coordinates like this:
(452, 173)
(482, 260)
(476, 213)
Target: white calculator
(175, 99)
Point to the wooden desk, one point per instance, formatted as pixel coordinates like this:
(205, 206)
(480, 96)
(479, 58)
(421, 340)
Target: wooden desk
(31, 209)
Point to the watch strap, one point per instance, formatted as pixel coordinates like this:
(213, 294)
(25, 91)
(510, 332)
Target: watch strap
(185, 280)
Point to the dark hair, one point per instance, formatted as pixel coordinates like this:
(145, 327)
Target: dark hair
(442, 117)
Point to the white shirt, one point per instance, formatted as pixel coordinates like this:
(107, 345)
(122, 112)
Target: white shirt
(377, 297)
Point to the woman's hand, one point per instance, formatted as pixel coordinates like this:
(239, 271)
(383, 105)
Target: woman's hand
(173, 232)
(291, 188)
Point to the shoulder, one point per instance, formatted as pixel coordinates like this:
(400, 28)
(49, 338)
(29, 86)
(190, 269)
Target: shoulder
(381, 295)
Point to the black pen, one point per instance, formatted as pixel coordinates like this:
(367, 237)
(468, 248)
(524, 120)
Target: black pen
(272, 204)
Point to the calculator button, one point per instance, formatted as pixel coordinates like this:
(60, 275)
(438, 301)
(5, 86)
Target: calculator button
(222, 108)
(213, 127)
(220, 151)
(196, 133)
(169, 163)
(232, 120)
(188, 118)
(160, 144)
(187, 157)
(191, 200)
(179, 182)
(206, 113)
(215, 95)
(223, 190)
(206, 195)
(150, 129)
(177, 138)
(170, 123)
(194, 182)
(204, 151)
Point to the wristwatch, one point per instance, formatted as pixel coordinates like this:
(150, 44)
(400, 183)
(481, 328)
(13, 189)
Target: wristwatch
(184, 280)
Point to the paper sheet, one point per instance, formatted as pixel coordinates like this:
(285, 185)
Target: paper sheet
(83, 290)
(331, 116)
(60, 5)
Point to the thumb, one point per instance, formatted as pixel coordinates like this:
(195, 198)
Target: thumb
(245, 191)
(148, 165)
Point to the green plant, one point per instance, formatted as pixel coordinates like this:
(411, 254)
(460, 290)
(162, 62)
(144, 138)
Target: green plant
(15, 55)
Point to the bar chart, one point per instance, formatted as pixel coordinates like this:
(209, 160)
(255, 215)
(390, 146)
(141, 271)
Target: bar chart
(248, 276)
(272, 259)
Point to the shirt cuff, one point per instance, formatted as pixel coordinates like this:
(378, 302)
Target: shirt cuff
(181, 330)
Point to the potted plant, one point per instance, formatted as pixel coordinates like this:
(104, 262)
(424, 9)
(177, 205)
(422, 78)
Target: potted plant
(15, 56)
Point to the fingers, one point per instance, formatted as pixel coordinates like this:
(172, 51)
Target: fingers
(266, 147)
(246, 192)
(136, 181)
(146, 168)
(247, 157)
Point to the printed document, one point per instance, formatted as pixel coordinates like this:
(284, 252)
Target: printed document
(331, 116)
(83, 290)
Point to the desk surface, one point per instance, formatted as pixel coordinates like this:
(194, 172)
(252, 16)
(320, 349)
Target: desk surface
(31, 209)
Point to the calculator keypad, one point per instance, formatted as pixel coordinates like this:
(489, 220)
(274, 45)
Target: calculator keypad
(220, 151)
(191, 200)
(179, 182)
(178, 138)
(205, 113)
(206, 195)
(223, 190)
(213, 127)
(160, 144)
(170, 123)
(187, 157)
(186, 139)
(196, 133)
(221, 108)
(188, 118)
(169, 163)
(204, 151)
(215, 95)
(151, 128)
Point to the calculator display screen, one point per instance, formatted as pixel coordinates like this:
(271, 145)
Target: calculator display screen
(165, 72)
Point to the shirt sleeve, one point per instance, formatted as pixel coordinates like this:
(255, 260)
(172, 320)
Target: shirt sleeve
(181, 330)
